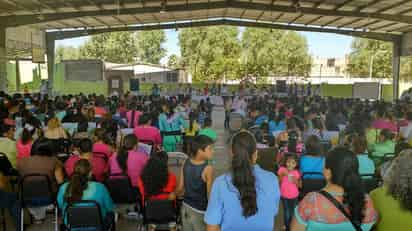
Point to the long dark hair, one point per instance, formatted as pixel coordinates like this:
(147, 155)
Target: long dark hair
(78, 182)
(129, 142)
(155, 174)
(243, 148)
(192, 119)
(344, 167)
(26, 136)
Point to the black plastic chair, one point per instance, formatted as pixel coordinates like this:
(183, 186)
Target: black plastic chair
(310, 184)
(36, 190)
(85, 214)
(159, 213)
(370, 182)
(121, 189)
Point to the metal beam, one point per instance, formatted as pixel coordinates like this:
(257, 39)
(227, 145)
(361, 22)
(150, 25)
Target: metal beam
(343, 4)
(393, 6)
(332, 21)
(296, 18)
(313, 20)
(350, 22)
(360, 8)
(76, 33)
(386, 25)
(33, 18)
(367, 24)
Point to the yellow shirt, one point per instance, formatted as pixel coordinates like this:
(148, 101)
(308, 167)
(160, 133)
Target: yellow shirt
(391, 215)
(195, 128)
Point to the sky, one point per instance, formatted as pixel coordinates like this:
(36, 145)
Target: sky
(324, 45)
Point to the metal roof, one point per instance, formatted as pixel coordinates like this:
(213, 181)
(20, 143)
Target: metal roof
(393, 17)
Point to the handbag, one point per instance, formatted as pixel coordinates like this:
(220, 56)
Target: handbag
(340, 207)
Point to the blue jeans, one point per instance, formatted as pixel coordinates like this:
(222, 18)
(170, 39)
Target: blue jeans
(288, 210)
(10, 201)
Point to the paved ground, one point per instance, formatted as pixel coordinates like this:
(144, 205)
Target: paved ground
(221, 164)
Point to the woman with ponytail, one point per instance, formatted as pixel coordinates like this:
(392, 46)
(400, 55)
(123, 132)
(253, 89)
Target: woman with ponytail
(128, 160)
(80, 187)
(247, 198)
(342, 204)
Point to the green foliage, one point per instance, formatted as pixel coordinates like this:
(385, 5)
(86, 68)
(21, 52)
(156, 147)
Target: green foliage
(149, 44)
(116, 47)
(366, 52)
(173, 62)
(210, 53)
(274, 52)
(67, 53)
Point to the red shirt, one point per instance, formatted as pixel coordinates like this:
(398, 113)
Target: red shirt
(168, 189)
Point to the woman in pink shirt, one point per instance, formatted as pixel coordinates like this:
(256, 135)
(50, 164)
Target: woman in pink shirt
(146, 132)
(24, 144)
(100, 143)
(384, 120)
(99, 163)
(133, 115)
(128, 160)
(289, 185)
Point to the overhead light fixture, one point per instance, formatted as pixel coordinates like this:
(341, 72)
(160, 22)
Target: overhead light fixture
(163, 6)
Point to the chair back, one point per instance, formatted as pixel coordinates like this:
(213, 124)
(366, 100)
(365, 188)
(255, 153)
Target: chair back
(120, 189)
(235, 122)
(36, 190)
(311, 184)
(369, 182)
(267, 159)
(159, 212)
(84, 215)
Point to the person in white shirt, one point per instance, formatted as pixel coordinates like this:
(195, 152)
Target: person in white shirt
(239, 105)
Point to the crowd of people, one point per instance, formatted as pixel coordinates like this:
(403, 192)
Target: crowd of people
(341, 141)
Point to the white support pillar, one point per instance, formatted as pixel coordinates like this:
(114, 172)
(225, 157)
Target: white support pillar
(50, 62)
(3, 60)
(396, 65)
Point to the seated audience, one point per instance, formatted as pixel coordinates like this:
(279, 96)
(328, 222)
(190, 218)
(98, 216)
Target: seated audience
(146, 132)
(99, 164)
(312, 160)
(359, 147)
(42, 161)
(386, 145)
(24, 144)
(170, 121)
(7, 143)
(102, 143)
(156, 181)
(207, 130)
(128, 160)
(55, 130)
(80, 187)
(393, 199)
(248, 197)
(317, 210)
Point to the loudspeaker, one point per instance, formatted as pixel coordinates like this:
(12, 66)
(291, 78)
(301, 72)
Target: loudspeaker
(134, 85)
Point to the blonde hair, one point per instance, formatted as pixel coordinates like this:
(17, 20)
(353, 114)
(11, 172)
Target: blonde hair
(53, 123)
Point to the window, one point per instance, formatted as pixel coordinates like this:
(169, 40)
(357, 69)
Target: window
(331, 62)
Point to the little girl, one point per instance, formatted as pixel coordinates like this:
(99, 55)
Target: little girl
(290, 182)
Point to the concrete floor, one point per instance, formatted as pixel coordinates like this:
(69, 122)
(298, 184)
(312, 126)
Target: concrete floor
(221, 164)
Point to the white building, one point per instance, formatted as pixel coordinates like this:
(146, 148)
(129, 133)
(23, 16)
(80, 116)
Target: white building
(329, 67)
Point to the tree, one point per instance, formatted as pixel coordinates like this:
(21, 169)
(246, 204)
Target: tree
(67, 53)
(149, 46)
(117, 47)
(274, 52)
(367, 53)
(210, 53)
(173, 62)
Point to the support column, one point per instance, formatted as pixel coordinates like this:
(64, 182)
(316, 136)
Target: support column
(50, 62)
(396, 65)
(3, 60)
(17, 76)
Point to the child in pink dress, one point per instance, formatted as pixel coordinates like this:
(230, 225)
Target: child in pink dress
(290, 181)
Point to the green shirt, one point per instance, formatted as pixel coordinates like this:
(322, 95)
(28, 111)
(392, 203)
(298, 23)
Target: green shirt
(209, 133)
(8, 147)
(391, 215)
(380, 149)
